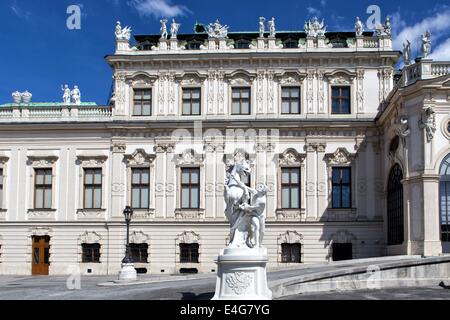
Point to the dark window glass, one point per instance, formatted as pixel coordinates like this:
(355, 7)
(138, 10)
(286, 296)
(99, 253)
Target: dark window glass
(43, 189)
(140, 188)
(342, 251)
(1, 188)
(243, 44)
(191, 101)
(142, 102)
(395, 206)
(290, 188)
(340, 100)
(189, 252)
(290, 44)
(193, 45)
(341, 187)
(139, 252)
(240, 100)
(92, 188)
(290, 100)
(190, 188)
(444, 199)
(291, 253)
(90, 253)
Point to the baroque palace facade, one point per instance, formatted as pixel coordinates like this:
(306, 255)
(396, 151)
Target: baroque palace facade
(355, 154)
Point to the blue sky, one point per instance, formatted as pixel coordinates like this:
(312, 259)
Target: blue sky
(40, 54)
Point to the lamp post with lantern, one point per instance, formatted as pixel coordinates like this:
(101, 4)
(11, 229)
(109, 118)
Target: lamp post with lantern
(128, 272)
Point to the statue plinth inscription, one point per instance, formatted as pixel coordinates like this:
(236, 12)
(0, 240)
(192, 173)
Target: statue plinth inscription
(241, 271)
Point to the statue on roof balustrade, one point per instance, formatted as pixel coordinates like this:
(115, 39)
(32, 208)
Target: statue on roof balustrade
(217, 31)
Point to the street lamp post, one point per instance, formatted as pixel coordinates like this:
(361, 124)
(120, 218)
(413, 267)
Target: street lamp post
(127, 272)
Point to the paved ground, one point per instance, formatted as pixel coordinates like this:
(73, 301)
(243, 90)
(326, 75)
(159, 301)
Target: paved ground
(55, 288)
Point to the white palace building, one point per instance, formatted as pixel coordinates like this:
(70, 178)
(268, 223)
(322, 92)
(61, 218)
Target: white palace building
(355, 154)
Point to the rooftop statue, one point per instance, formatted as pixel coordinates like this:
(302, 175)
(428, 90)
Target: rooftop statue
(216, 30)
(66, 94)
(122, 33)
(387, 26)
(407, 52)
(174, 27)
(76, 96)
(163, 29)
(426, 44)
(314, 28)
(271, 25)
(262, 27)
(359, 27)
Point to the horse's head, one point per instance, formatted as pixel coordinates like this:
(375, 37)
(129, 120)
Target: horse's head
(243, 168)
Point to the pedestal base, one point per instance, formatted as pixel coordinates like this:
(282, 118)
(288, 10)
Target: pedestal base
(241, 275)
(127, 272)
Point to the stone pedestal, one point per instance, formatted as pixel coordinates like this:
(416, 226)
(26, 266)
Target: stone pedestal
(127, 272)
(173, 44)
(241, 275)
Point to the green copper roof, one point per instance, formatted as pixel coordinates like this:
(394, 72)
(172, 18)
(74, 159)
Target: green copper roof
(46, 104)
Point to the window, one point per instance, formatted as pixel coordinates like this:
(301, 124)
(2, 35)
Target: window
(90, 252)
(1, 188)
(142, 102)
(340, 100)
(140, 188)
(444, 190)
(342, 251)
(92, 188)
(240, 100)
(189, 252)
(43, 189)
(139, 252)
(395, 206)
(191, 101)
(290, 100)
(193, 45)
(291, 253)
(290, 188)
(243, 44)
(341, 187)
(290, 44)
(190, 188)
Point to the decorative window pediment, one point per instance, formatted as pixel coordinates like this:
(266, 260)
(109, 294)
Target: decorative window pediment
(241, 78)
(90, 237)
(139, 237)
(139, 158)
(188, 237)
(191, 79)
(290, 78)
(340, 157)
(141, 79)
(341, 77)
(342, 236)
(290, 237)
(91, 161)
(41, 161)
(3, 161)
(189, 157)
(291, 157)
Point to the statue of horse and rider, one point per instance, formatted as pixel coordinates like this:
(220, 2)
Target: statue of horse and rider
(247, 220)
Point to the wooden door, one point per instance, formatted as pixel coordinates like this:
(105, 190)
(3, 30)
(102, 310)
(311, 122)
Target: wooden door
(40, 255)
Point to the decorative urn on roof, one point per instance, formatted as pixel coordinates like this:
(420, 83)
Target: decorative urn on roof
(26, 97)
(17, 97)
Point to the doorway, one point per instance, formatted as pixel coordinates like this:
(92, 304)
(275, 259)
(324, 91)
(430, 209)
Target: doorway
(40, 255)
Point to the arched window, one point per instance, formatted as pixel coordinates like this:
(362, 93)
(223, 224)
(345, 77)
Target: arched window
(444, 192)
(395, 206)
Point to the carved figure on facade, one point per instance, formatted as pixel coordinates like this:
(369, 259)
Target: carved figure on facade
(428, 122)
(163, 29)
(174, 27)
(271, 27)
(314, 28)
(66, 94)
(262, 26)
(359, 27)
(407, 52)
(122, 33)
(426, 44)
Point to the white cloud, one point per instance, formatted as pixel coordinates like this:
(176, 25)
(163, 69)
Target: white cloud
(438, 24)
(313, 11)
(158, 8)
(323, 3)
(442, 51)
(18, 11)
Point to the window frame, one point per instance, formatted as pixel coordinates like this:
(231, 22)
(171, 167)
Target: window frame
(340, 99)
(341, 185)
(240, 100)
(2, 188)
(191, 100)
(291, 246)
(93, 185)
(132, 186)
(290, 87)
(143, 252)
(44, 185)
(289, 185)
(92, 255)
(190, 185)
(193, 254)
(142, 88)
